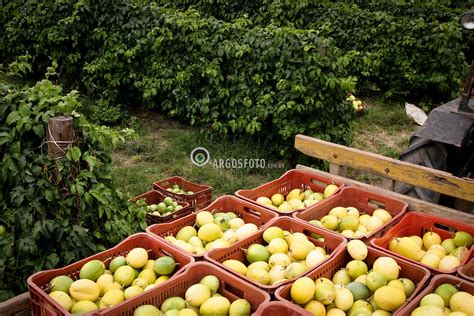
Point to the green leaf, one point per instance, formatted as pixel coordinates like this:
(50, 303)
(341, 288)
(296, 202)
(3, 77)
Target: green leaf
(39, 130)
(91, 161)
(75, 153)
(48, 194)
(99, 197)
(88, 198)
(4, 138)
(52, 260)
(12, 117)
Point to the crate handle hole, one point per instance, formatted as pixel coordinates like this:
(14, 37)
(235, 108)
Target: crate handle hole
(166, 253)
(445, 227)
(319, 183)
(253, 212)
(376, 204)
(233, 290)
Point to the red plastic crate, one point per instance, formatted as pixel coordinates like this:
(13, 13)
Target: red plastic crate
(292, 179)
(280, 308)
(461, 284)
(155, 197)
(231, 287)
(365, 201)
(466, 271)
(201, 198)
(417, 274)
(416, 223)
(42, 304)
(333, 244)
(249, 212)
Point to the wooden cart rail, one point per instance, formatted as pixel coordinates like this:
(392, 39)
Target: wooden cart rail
(16, 306)
(413, 203)
(341, 157)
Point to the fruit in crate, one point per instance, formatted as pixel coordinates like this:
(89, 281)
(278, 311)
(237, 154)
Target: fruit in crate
(296, 199)
(175, 188)
(211, 231)
(351, 223)
(356, 289)
(201, 298)
(282, 256)
(98, 287)
(167, 207)
(432, 251)
(446, 299)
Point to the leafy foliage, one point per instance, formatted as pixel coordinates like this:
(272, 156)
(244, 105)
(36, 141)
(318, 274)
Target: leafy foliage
(400, 54)
(238, 80)
(414, 49)
(269, 81)
(55, 211)
(102, 112)
(50, 29)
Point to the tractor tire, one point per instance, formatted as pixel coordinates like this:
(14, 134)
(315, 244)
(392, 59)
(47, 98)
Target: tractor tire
(423, 152)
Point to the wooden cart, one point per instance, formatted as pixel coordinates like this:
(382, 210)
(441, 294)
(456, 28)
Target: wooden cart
(340, 158)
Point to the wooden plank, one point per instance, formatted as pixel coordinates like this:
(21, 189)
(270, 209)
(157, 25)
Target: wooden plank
(338, 169)
(16, 306)
(387, 184)
(413, 203)
(420, 176)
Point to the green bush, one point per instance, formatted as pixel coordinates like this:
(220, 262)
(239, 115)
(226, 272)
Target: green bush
(102, 112)
(232, 77)
(415, 49)
(55, 211)
(403, 56)
(50, 30)
(266, 81)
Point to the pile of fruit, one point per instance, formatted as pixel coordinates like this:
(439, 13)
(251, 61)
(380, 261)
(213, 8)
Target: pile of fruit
(217, 230)
(200, 299)
(286, 256)
(355, 289)
(175, 188)
(446, 300)
(430, 250)
(296, 200)
(167, 207)
(350, 223)
(99, 288)
(356, 104)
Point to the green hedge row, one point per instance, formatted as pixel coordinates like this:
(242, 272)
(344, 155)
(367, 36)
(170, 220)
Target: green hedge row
(414, 49)
(272, 82)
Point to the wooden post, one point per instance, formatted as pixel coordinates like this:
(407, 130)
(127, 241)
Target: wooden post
(337, 169)
(387, 184)
(60, 135)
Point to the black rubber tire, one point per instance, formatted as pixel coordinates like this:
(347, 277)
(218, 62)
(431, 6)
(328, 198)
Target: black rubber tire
(423, 152)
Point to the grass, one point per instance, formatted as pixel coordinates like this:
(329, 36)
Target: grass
(163, 149)
(384, 129)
